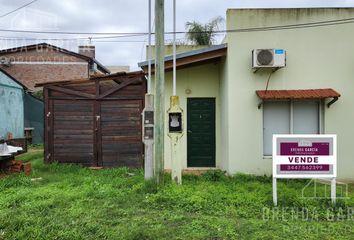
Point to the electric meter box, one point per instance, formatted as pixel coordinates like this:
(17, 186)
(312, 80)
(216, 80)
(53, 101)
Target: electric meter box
(148, 133)
(175, 122)
(148, 125)
(148, 117)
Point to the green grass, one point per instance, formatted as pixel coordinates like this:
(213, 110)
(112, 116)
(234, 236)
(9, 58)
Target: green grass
(71, 202)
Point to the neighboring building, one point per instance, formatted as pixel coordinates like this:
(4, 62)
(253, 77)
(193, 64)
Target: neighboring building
(229, 118)
(19, 110)
(11, 107)
(46, 63)
(34, 117)
(117, 69)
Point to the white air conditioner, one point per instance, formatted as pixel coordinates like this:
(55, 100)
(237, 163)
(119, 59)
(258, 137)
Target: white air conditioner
(268, 58)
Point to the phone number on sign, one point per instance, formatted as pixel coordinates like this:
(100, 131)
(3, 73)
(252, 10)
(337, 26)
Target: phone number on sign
(303, 167)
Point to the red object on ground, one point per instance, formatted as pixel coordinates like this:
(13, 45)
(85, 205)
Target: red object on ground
(27, 168)
(19, 166)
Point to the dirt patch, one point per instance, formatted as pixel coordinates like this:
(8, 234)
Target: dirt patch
(4, 174)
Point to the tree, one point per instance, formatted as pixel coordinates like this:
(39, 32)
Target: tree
(203, 34)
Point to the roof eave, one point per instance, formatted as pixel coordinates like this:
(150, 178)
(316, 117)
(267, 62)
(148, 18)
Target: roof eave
(187, 54)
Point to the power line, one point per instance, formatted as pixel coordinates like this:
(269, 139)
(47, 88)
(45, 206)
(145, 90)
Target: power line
(71, 33)
(141, 34)
(95, 41)
(269, 28)
(66, 39)
(23, 6)
(289, 27)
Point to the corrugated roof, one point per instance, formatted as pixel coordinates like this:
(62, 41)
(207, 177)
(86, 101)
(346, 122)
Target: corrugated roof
(188, 54)
(297, 94)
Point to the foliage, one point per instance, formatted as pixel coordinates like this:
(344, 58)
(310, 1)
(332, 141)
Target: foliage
(38, 94)
(214, 175)
(71, 202)
(203, 34)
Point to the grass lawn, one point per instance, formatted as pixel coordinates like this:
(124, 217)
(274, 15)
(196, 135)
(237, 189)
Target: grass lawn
(71, 202)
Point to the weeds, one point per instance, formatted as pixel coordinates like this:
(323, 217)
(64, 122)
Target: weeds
(71, 202)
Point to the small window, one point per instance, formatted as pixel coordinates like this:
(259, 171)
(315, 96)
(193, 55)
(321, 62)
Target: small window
(276, 120)
(306, 117)
(288, 118)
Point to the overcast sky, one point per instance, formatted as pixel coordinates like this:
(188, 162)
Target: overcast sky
(119, 16)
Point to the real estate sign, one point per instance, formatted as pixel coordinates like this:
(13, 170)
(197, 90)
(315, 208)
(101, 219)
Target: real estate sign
(304, 156)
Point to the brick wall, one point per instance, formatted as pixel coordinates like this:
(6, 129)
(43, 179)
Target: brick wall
(61, 66)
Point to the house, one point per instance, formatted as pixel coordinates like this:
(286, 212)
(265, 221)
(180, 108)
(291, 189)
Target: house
(45, 63)
(231, 111)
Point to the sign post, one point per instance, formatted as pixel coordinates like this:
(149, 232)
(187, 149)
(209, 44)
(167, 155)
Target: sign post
(304, 156)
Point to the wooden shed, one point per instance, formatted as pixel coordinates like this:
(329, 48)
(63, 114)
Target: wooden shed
(96, 121)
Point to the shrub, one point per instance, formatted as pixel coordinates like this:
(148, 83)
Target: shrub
(214, 175)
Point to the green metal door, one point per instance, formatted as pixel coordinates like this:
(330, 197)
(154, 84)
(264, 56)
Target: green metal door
(201, 132)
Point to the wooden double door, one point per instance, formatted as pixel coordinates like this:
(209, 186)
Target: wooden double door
(103, 133)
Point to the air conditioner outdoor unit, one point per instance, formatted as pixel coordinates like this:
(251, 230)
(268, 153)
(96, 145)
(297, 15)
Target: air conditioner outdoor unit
(268, 58)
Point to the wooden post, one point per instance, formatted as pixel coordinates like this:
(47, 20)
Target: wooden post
(159, 132)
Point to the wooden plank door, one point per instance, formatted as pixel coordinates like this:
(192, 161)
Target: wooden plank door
(201, 132)
(72, 129)
(120, 130)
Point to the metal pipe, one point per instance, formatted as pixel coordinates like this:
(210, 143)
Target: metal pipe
(149, 52)
(174, 48)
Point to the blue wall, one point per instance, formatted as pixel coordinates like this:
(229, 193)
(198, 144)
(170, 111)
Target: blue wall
(11, 107)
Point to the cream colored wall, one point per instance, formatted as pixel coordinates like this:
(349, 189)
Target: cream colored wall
(203, 81)
(179, 49)
(321, 57)
(224, 111)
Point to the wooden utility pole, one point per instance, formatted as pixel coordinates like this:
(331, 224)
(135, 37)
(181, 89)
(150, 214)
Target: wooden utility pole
(159, 132)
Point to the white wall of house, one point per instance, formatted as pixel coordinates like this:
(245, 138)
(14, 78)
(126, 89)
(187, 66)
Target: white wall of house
(319, 57)
(203, 82)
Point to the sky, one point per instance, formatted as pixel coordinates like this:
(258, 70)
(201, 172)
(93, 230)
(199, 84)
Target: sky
(117, 16)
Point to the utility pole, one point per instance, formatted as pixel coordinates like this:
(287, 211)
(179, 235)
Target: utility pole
(159, 130)
(148, 117)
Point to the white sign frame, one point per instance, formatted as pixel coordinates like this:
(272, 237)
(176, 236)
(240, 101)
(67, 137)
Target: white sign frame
(330, 160)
